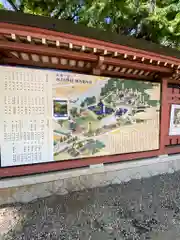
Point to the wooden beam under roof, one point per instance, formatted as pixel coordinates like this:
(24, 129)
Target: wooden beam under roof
(57, 52)
(41, 64)
(42, 50)
(61, 37)
(40, 24)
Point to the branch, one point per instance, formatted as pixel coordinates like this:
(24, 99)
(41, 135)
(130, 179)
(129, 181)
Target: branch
(13, 5)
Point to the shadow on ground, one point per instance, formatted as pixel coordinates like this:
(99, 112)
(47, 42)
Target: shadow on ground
(139, 209)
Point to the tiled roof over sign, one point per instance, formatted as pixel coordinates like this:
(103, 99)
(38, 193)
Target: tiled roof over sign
(83, 31)
(45, 42)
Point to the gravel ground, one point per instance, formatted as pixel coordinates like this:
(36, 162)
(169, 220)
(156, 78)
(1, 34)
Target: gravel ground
(140, 209)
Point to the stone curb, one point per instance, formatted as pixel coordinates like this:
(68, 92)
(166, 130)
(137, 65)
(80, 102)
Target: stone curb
(29, 188)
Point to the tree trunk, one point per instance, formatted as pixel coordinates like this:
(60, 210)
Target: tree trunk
(152, 5)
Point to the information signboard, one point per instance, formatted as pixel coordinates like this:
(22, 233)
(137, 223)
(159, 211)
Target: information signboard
(55, 116)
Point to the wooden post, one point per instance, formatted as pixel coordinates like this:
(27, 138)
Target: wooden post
(164, 124)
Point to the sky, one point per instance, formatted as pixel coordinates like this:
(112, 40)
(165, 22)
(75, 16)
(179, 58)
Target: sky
(6, 4)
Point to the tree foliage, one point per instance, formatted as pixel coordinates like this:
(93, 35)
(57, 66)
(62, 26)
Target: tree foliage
(154, 20)
(1, 6)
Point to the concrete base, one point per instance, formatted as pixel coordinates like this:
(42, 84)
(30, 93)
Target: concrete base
(28, 188)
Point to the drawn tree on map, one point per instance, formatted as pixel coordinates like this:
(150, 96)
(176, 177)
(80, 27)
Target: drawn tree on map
(82, 104)
(88, 101)
(60, 122)
(114, 84)
(74, 112)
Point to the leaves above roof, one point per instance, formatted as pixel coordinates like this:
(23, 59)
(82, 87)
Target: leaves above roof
(154, 20)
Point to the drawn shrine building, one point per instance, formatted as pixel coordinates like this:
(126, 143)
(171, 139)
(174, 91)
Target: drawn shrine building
(73, 96)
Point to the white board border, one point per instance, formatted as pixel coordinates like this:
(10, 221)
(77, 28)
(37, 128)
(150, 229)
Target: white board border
(173, 130)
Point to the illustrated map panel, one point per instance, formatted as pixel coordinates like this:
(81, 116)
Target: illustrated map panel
(97, 116)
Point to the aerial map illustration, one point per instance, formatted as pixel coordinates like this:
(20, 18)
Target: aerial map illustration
(97, 116)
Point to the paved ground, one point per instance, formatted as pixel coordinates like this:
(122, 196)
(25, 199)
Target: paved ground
(139, 209)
